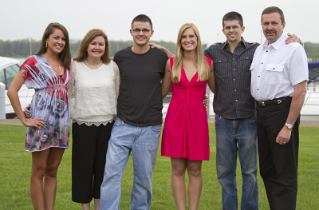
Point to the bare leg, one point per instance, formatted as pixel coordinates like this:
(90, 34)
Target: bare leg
(178, 182)
(194, 169)
(39, 161)
(50, 178)
(96, 204)
(85, 206)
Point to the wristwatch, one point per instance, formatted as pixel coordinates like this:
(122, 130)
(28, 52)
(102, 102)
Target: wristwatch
(289, 126)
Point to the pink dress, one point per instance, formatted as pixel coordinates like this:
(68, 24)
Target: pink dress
(185, 133)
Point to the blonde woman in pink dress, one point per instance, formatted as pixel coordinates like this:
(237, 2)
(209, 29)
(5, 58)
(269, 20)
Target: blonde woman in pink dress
(185, 137)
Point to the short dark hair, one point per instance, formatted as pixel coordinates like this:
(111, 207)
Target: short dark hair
(233, 16)
(273, 9)
(142, 18)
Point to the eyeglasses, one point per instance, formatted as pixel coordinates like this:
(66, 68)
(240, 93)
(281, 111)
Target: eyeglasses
(144, 31)
(231, 27)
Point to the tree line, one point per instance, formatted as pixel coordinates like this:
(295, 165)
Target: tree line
(25, 47)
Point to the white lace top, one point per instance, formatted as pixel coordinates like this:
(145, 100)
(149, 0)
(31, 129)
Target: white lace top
(93, 93)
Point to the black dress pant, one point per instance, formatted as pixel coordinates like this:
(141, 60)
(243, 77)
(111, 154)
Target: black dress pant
(278, 163)
(88, 160)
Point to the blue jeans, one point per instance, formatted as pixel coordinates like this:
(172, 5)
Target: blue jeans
(143, 143)
(233, 137)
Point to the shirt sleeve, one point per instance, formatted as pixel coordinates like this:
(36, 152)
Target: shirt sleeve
(206, 52)
(298, 66)
(116, 79)
(115, 58)
(28, 69)
(72, 89)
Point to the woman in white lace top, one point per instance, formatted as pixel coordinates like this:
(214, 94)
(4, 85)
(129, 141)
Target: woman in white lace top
(93, 92)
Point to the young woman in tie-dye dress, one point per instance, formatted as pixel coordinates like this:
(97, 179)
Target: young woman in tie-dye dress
(50, 102)
(48, 130)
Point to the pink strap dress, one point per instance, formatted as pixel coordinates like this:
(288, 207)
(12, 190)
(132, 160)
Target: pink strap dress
(185, 133)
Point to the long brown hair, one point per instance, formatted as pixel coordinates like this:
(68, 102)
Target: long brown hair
(199, 61)
(81, 54)
(65, 55)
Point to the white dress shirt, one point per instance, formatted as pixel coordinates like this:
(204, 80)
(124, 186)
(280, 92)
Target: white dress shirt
(276, 68)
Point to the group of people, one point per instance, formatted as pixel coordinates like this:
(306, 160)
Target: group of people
(116, 109)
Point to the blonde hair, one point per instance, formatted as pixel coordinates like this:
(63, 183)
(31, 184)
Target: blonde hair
(199, 60)
(81, 54)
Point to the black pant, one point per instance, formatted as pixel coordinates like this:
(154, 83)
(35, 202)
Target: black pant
(88, 160)
(278, 163)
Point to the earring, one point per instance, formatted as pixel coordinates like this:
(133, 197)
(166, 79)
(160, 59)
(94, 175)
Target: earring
(46, 44)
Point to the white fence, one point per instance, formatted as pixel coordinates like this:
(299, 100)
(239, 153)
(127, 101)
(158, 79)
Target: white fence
(2, 101)
(310, 109)
(309, 112)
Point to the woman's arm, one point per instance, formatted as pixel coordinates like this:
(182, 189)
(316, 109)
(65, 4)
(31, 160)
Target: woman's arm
(166, 82)
(211, 80)
(15, 102)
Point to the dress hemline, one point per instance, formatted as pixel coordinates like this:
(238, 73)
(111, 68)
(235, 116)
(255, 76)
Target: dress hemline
(204, 159)
(46, 149)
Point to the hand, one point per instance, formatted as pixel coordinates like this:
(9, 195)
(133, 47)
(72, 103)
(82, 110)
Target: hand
(27, 112)
(205, 101)
(283, 136)
(35, 123)
(153, 45)
(292, 38)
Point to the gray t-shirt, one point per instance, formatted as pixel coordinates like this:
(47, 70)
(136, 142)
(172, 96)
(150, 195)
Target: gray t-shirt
(140, 100)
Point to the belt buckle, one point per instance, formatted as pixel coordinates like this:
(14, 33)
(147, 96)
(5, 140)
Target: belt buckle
(279, 101)
(262, 103)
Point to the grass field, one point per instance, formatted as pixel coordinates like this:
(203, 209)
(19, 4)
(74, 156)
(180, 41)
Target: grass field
(15, 169)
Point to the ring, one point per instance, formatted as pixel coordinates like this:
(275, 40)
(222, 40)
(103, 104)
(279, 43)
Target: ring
(284, 142)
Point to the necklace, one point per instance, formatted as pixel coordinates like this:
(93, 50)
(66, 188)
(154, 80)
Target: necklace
(52, 62)
(92, 67)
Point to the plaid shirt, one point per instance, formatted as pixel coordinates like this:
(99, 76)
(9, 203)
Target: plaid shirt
(232, 99)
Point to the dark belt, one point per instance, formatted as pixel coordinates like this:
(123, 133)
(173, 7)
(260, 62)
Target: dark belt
(275, 101)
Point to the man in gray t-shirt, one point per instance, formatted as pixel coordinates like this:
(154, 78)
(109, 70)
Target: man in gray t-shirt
(138, 126)
(140, 101)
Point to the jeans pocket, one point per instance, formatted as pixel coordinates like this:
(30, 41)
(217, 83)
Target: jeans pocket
(118, 122)
(157, 128)
(217, 118)
(253, 119)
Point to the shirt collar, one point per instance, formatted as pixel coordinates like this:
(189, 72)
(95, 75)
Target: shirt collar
(276, 45)
(242, 42)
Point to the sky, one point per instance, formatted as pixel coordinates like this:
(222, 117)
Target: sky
(21, 19)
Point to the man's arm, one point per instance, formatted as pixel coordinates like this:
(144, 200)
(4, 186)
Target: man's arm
(292, 38)
(295, 108)
(169, 54)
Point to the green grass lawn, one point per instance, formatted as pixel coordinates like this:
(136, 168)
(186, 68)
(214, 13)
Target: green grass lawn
(15, 169)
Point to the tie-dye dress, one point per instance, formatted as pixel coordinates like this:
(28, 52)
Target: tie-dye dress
(49, 102)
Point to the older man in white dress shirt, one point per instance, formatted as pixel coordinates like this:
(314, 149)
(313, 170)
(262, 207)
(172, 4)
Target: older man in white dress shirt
(278, 84)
